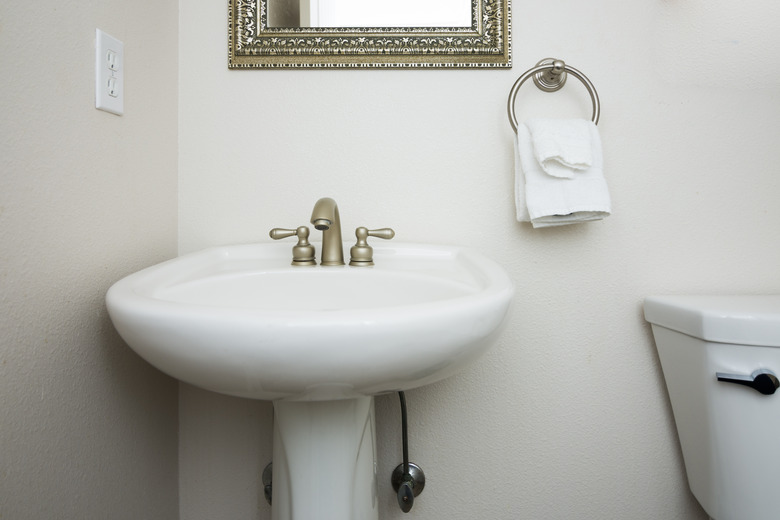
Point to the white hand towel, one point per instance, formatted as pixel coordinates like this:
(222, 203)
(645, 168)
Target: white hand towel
(561, 146)
(547, 200)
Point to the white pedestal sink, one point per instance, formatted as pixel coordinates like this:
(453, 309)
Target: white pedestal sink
(318, 341)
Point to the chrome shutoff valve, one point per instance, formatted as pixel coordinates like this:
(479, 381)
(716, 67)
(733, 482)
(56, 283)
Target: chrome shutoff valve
(362, 254)
(407, 483)
(303, 251)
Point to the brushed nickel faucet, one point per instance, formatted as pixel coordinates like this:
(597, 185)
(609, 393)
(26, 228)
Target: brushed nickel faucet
(325, 217)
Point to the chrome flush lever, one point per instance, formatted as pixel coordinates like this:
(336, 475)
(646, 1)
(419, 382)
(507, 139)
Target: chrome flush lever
(762, 380)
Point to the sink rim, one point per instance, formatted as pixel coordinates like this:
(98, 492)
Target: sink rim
(145, 285)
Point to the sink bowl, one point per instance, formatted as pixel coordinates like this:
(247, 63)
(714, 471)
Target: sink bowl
(240, 320)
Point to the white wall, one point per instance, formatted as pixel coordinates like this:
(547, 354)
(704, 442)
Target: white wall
(87, 429)
(568, 416)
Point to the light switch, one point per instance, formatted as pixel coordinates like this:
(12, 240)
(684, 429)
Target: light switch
(113, 60)
(109, 73)
(113, 88)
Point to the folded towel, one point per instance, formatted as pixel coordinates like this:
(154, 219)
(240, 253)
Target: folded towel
(561, 146)
(545, 200)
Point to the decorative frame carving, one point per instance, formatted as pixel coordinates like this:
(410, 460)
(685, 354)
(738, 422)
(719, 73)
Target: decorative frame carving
(252, 44)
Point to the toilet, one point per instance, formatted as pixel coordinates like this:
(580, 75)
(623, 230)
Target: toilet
(718, 354)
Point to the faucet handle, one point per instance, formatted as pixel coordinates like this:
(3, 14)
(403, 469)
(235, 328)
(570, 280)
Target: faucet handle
(362, 254)
(303, 252)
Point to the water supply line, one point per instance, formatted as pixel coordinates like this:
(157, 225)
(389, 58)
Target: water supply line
(408, 479)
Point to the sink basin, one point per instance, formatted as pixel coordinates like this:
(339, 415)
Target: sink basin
(240, 320)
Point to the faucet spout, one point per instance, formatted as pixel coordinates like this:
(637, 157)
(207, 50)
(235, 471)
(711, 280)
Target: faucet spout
(325, 218)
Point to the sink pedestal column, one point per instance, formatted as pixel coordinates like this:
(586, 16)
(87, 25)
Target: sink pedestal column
(324, 460)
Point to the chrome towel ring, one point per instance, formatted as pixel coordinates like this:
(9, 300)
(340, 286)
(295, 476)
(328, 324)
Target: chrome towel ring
(550, 75)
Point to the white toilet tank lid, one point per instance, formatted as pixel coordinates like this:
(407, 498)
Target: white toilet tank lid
(740, 320)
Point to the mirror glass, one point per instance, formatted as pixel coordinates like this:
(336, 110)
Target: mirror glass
(369, 33)
(369, 13)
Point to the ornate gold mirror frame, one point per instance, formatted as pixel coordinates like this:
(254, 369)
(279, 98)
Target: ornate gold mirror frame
(252, 44)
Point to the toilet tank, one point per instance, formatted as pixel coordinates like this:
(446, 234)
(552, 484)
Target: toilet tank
(729, 434)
